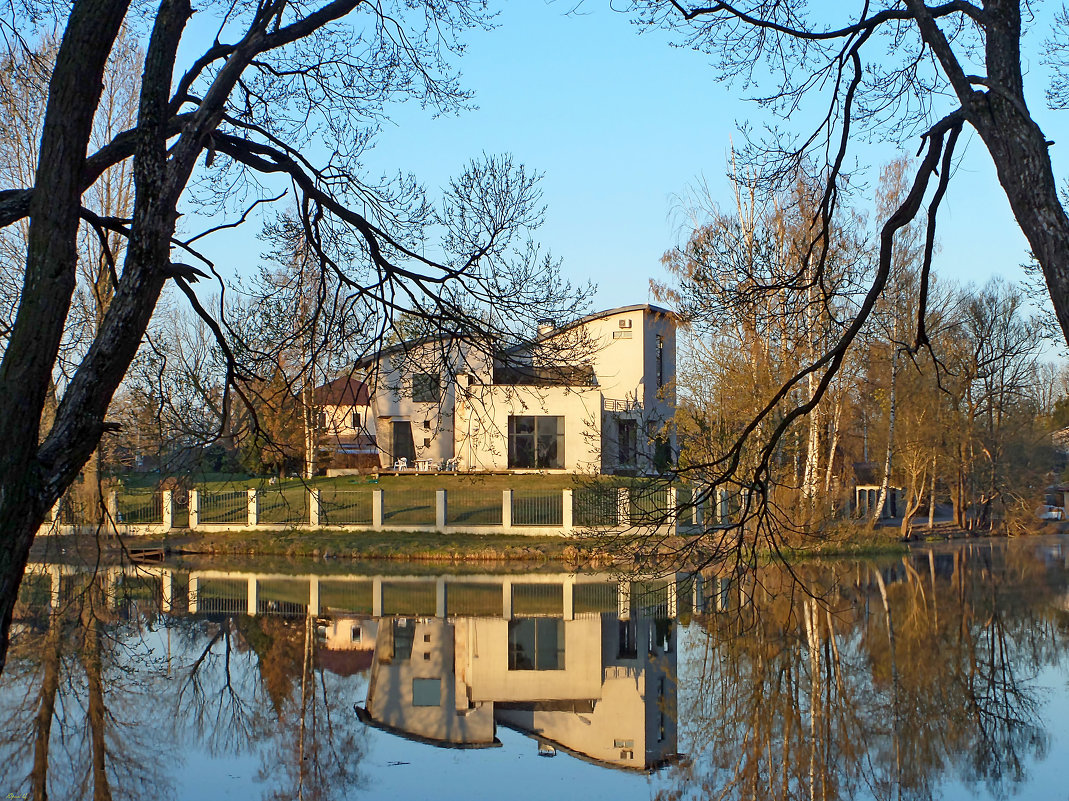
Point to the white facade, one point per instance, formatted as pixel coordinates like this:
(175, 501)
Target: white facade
(595, 396)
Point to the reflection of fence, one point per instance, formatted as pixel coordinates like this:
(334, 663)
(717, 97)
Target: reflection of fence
(542, 512)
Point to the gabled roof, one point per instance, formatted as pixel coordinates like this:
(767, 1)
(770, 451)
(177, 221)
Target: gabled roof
(344, 391)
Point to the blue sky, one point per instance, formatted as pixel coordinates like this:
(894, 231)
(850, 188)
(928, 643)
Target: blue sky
(620, 124)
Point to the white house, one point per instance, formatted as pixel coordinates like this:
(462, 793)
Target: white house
(597, 395)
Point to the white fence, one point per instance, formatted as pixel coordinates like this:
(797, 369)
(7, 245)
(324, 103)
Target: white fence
(530, 512)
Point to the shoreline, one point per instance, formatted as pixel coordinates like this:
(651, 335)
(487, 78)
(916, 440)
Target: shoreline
(477, 549)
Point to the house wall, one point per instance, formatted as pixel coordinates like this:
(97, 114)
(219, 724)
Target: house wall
(338, 422)
(432, 423)
(482, 419)
(471, 422)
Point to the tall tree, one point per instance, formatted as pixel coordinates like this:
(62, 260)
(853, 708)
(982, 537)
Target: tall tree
(219, 125)
(890, 71)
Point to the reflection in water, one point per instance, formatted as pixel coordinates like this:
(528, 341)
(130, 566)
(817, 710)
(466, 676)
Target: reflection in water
(878, 680)
(579, 684)
(841, 681)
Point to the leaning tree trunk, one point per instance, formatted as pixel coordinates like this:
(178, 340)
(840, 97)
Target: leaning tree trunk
(30, 484)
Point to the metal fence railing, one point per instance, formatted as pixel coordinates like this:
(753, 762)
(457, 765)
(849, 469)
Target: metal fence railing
(289, 505)
(473, 508)
(223, 507)
(139, 506)
(648, 505)
(414, 508)
(596, 507)
(537, 509)
(590, 505)
(344, 507)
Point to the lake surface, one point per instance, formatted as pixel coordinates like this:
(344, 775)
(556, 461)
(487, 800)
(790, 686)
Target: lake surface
(939, 675)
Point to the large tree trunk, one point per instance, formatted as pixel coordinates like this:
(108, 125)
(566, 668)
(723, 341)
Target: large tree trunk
(28, 487)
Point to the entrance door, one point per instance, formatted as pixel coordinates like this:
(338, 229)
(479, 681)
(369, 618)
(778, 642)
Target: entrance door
(403, 445)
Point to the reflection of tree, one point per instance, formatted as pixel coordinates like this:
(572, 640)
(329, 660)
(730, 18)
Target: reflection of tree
(218, 702)
(863, 680)
(322, 749)
(254, 682)
(79, 726)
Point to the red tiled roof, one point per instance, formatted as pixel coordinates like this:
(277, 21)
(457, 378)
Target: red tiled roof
(344, 391)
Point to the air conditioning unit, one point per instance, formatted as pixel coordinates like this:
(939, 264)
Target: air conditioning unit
(625, 324)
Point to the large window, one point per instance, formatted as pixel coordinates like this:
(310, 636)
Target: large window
(426, 387)
(536, 643)
(536, 442)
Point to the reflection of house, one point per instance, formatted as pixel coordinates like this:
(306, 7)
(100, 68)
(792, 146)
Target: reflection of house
(596, 395)
(346, 424)
(598, 686)
(348, 645)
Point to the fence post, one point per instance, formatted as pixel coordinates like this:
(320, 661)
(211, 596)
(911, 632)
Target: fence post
(696, 508)
(673, 597)
(623, 600)
(724, 516)
(313, 508)
(569, 597)
(113, 506)
(623, 507)
(194, 509)
(506, 512)
(567, 511)
(252, 599)
(673, 511)
(697, 595)
(376, 508)
(506, 596)
(254, 509)
(167, 509)
(313, 596)
(440, 508)
(441, 595)
(193, 595)
(376, 594)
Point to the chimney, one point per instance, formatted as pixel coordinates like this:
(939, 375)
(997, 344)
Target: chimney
(545, 327)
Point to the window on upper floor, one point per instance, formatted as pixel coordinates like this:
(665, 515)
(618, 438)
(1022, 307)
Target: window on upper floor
(426, 387)
(660, 362)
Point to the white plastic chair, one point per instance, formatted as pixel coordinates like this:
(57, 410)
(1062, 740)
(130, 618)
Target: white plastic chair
(401, 464)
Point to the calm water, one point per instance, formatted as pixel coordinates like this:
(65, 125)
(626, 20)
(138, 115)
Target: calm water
(941, 675)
